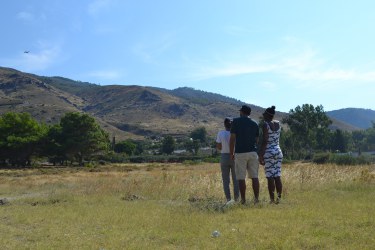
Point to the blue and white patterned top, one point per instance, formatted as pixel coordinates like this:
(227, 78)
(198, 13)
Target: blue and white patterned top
(273, 146)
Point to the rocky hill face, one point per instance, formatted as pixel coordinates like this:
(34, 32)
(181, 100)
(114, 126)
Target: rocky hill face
(20, 92)
(123, 111)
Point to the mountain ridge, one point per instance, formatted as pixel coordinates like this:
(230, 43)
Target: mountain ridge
(361, 118)
(125, 111)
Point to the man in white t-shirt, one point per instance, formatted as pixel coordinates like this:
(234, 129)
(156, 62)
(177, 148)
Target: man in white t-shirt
(226, 163)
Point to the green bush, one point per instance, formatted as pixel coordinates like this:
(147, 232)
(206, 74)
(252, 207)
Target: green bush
(212, 159)
(113, 158)
(321, 158)
(123, 158)
(349, 160)
(90, 165)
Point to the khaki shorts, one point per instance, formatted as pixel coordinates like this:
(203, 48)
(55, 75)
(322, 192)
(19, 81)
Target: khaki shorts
(246, 162)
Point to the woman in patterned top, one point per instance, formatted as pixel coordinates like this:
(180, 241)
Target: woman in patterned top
(270, 154)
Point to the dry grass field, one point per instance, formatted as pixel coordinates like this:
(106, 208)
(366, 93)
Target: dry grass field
(177, 206)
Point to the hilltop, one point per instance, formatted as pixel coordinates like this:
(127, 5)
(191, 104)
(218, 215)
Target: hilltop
(123, 111)
(361, 118)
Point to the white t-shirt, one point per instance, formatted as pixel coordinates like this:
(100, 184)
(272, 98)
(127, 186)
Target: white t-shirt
(223, 137)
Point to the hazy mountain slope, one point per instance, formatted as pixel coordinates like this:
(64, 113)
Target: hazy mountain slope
(20, 92)
(67, 85)
(356, 117)
(157, 111)
(149, 111)
(123, 111)
(202, 97)
(338, 124)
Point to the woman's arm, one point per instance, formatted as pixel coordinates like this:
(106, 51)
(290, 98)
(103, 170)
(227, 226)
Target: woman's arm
(264, 144)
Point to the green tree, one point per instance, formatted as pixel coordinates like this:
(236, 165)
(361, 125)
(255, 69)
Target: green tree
(140, 147)
(20, 138)
(168, 145)
(323, 139)
(370, 137)
(192, 146)
(128, 147)
(310, 127)
(199, 134)
(287, 143)
(358, 137)
(82, 137)
(339, 141)
(53, 147)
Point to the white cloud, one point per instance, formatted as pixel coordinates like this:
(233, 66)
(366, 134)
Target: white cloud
(301, 66)
(149, 51)
(234, 69)
(97, 6)
(310, 69)
(106, 74)
(36, 60)
(40, 60)
(26, 16)
(269, 86)
(236, 30)
(105, 30)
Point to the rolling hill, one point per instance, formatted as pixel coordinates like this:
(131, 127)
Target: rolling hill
(123, 111)
(361, 118)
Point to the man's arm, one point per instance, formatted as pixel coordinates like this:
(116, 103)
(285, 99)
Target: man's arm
(218, 146)
(232, 142)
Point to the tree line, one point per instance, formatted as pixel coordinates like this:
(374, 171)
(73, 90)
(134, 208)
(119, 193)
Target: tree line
(78, 138)
(75, 138)
(308, 132)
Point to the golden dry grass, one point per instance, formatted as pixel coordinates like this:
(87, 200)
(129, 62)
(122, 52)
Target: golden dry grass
(176, 206)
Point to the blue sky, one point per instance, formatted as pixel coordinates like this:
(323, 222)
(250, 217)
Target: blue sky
(282, 53)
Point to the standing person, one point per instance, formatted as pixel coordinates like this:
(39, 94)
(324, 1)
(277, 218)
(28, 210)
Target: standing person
(226, 163)
(243, 140)
(270, 154)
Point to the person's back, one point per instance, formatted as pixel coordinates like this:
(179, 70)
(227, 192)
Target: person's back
(246, 130)
(270, 154)
(226, 163)
(223, 138)
(273, 129)
(243, 149)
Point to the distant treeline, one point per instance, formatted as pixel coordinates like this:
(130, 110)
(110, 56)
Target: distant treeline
(308, 133)
(78, 138)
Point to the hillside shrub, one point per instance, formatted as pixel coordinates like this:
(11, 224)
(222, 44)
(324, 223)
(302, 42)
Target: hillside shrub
(321, 158)
(90, 165)
(349, 160)
(212, 159)
(123, 158)
(162, 158)
(342, 159)
(113, 158)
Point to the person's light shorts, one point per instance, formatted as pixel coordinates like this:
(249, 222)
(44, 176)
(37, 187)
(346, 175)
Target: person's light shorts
(246, 162)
